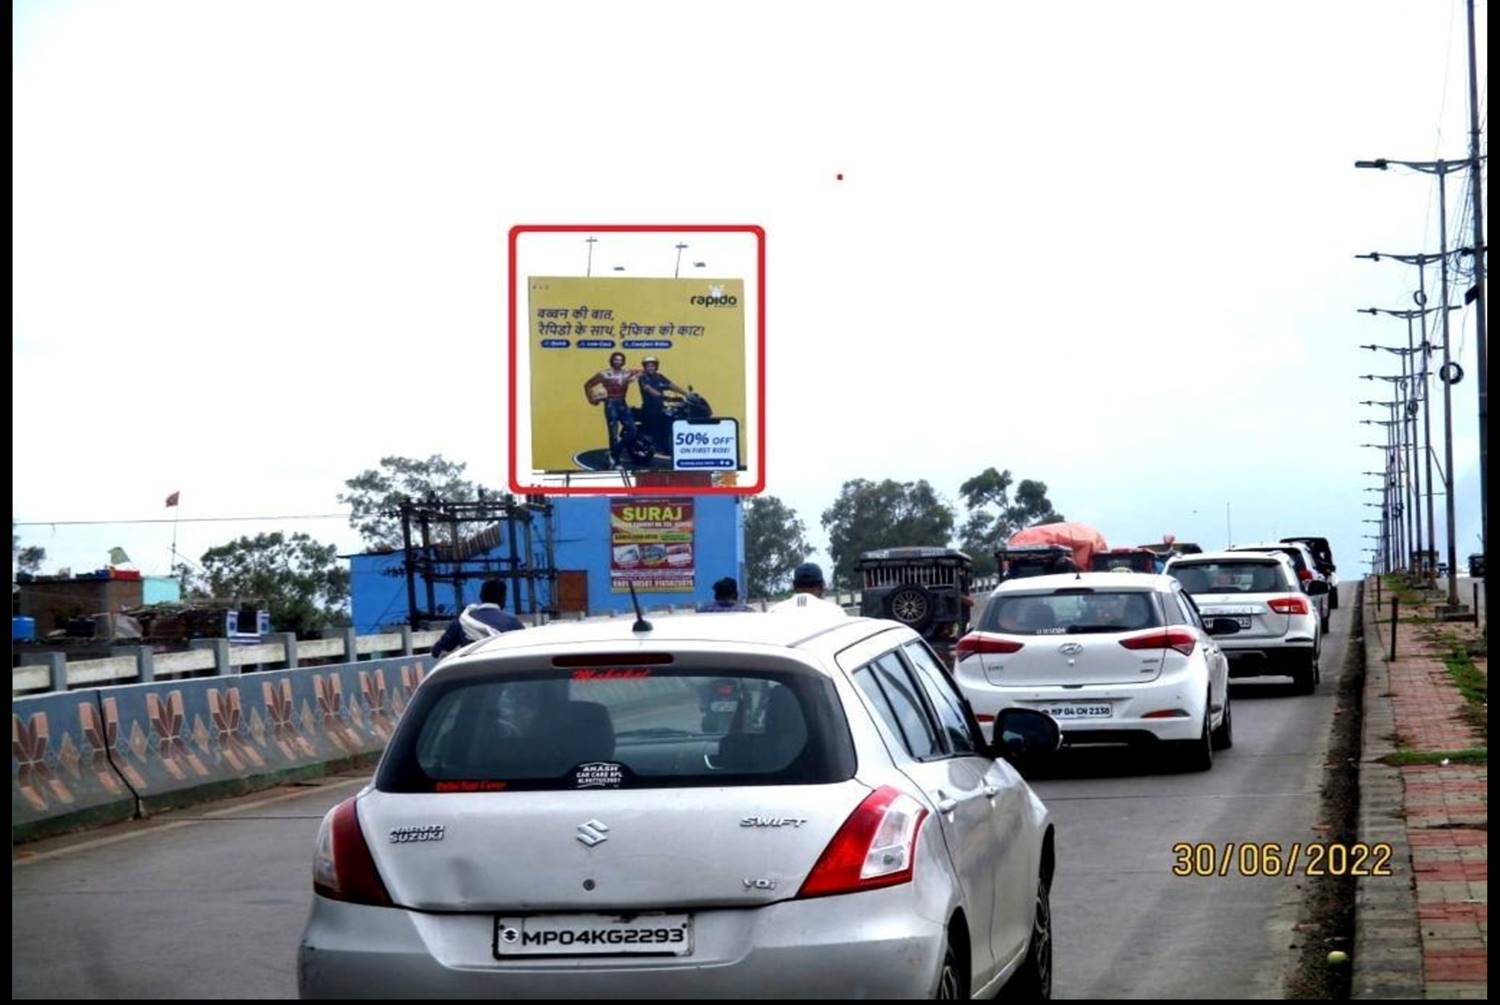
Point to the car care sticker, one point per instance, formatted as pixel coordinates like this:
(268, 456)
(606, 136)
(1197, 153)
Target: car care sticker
(598, 775)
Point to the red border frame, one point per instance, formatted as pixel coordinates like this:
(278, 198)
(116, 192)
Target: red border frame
(760, 386)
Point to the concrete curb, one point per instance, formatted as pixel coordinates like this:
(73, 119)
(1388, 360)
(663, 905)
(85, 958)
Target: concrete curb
(1387, 934)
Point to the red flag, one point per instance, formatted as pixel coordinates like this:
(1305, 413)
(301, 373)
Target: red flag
(172, 499)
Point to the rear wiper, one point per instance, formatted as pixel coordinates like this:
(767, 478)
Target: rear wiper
(1081, 629)
(656, 731)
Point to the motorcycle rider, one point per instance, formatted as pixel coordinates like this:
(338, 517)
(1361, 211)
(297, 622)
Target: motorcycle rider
(654, 384)
(618, 419)
(478, 621)
(807, 592)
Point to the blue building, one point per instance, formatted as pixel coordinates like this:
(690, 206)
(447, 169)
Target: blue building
(594, 554)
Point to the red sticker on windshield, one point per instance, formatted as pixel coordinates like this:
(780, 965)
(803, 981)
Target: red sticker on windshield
(616, 674)
(468, 786)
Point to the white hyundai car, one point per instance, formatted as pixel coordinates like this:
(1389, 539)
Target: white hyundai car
(1114, 657)
(725, 805)
(1280, 625)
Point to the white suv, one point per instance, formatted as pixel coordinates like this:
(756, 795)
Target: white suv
(1305, 568)
(1115, 657)
(1280, 633)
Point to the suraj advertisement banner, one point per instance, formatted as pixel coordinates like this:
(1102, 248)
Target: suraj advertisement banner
(617, 363)
(651, 545)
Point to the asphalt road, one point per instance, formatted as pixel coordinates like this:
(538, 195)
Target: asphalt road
(1124, 925)
(209, 903)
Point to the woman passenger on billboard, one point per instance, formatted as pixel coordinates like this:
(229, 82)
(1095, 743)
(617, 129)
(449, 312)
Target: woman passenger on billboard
(609, 386)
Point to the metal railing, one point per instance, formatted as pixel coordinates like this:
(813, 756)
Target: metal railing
(46, 672)
(53, 672)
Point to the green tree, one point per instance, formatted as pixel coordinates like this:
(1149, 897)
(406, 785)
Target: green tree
(995, 514)
(775, 544)
(887, 514)
(26, 559)
(375, 494)
(302, 582)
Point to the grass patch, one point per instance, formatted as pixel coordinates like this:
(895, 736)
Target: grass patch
(1474, 755)
(1472, 682)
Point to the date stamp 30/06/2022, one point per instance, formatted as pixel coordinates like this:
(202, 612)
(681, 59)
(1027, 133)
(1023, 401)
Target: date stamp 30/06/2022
(1271, 858)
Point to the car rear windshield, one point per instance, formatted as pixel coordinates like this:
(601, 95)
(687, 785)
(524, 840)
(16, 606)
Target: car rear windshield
(1071, 612)
(1231, 577)
(1134, 563)
(1294, 555)
(627, 727)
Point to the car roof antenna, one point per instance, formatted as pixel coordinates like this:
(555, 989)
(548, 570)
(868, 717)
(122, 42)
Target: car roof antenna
(641, 624)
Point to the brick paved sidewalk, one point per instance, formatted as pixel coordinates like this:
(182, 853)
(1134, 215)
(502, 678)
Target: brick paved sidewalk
(1446, 807)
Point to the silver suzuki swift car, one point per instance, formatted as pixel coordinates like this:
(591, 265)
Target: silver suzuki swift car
(788, 804)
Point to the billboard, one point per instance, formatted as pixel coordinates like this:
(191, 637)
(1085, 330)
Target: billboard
(635, 374)
(643, 383)
(651, 545)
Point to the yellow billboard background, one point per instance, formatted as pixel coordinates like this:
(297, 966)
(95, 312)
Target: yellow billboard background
(700, 345)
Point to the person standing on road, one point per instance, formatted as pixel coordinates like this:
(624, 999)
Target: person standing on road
(807, 591)
(478, 621)
(726, 598)
(618, 420)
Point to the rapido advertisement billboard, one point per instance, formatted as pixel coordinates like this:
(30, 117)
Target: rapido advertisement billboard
(636, 374)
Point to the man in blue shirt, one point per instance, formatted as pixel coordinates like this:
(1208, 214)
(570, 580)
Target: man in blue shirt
(478, 621)
(726, 598)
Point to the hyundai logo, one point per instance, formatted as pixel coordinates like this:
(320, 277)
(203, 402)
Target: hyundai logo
(1070, 648)
(593, 833)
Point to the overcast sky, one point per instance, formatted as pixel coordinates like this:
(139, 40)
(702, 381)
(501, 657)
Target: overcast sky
(260, 245)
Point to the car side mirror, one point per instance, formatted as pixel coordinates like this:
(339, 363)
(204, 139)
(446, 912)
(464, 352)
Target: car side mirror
(1316, 587)
(1222, 626)
(1022, 733)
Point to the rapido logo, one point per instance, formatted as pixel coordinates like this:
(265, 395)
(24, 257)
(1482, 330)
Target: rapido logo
(716, 298)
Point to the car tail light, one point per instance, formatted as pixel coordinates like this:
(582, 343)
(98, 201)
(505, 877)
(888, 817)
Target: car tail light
(1179, 639)
(343, 868)
(875, 847)
(1305, 575)
(978, 644)
(1288, 605)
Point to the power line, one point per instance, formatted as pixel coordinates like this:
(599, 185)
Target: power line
(195, 519)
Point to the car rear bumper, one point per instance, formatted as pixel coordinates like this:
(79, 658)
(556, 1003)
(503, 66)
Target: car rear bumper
(1130, 704)
(1270, 661)
(870, 944)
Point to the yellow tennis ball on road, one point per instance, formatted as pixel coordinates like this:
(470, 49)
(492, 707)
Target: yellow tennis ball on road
(1338, 958)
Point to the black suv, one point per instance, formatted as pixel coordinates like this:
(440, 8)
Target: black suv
(1322, 553)
(926, 589)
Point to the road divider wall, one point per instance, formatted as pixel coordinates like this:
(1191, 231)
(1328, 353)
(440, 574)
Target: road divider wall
(85, 757)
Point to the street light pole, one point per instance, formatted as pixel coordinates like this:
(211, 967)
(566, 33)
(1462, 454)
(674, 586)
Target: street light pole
(1482, 377)
(1448, 477)
(1420, 297)
(1441, 168)
(1392, 486)
(1408, 409)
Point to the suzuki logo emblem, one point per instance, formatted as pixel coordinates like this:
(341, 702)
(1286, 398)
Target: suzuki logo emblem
(593, 833)
(1070, 648)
